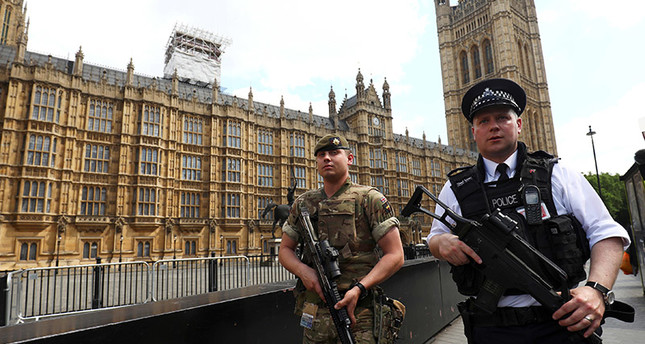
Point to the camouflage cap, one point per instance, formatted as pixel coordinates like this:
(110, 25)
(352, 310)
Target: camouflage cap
(331, 142)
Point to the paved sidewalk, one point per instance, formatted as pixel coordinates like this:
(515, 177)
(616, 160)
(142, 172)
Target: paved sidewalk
(628, 289)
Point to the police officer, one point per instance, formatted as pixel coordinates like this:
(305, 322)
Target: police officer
(506, 177)
(354, 218)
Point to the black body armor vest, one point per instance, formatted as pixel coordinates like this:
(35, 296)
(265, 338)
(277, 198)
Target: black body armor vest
(559, 238)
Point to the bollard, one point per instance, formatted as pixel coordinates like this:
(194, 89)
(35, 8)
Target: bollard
(212, 274)
(97, 290)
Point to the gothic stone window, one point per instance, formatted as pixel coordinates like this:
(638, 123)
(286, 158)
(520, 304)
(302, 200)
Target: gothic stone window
(147, 201)
(436, 168)
(262, 203)
(231, 246)
(190, 248)
(99, 117)
(301, 176)
(36, 196)
(44, 104)
(265, 175)
(41, 150)
(377, 182)
(231, 205)
(5, 25)
(265, 142)
(28, 250)
(474, 51)
(149, 160)
(151, 124)
(416, 167)
(401, 163)
(143, 248)
(353, 149)
(93, 200)
(90, 250)
(191, 167)
(97, 158)
(297, 143)
(465, 73)
(189, 204)
(193, 130)
(232, 170)
(233, 134)
(378, 158)
(488, 57)
(404, 188)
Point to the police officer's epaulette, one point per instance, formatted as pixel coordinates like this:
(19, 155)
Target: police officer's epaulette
(541, 155)
(458, 170)
(540, 160)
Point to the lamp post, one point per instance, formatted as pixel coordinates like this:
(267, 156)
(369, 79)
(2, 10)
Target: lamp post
(174, 250)
(58, 248)
(591, 133)
(120, 248)
(221, 246)
(261, 248)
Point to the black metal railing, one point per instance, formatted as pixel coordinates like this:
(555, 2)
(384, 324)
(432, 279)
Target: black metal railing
(416, 251)
(32, 294)
(42, 292)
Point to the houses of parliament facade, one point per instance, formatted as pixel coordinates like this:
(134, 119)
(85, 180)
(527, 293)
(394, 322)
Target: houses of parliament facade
(98, 162)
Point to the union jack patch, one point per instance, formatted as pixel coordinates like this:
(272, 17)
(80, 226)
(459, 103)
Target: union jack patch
(386, 204)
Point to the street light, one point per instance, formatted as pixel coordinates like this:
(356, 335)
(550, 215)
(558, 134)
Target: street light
(120, 248)
(58, 248)
(174, 250)
(591, 133)
(221, 245)
(261, 248)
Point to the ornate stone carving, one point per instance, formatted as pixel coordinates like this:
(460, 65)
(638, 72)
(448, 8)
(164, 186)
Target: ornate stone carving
(212, 225)
(118, 224)
(62, 223)
(169, 224)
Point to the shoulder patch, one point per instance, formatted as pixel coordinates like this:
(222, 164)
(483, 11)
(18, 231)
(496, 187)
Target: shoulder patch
(458, 170)
(385, 204)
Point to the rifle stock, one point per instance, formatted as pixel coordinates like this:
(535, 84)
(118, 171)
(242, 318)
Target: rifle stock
(324, 258)
(508, 261)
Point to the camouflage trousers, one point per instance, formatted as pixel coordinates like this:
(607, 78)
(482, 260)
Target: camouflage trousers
(324, 331)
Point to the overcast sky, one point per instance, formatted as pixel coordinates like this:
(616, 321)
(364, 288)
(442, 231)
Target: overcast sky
(298, 49)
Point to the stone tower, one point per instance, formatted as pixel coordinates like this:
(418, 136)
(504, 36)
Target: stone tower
(12, 19)
(481, 39)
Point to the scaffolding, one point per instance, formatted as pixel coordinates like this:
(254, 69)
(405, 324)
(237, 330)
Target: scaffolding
(194, 54)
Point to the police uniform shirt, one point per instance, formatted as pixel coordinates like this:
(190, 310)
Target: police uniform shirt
(572, 194)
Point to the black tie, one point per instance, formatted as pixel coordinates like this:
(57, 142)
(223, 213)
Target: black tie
(501, 168)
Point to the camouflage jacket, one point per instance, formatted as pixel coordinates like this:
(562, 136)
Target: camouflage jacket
(354, 219)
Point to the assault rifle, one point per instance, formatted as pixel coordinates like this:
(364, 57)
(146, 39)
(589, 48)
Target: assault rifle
(325, 260)
(508, 261)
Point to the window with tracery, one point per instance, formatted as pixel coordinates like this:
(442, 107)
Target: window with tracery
(41, 150)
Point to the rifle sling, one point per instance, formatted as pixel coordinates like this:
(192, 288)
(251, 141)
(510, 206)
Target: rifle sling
(620, 311)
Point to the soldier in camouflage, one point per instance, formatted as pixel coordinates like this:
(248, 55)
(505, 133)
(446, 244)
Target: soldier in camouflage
(355, 219)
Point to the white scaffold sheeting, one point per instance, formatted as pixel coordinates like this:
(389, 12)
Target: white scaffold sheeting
(193, 69)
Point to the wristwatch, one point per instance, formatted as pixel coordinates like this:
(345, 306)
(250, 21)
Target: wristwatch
(361, 287)
(606, 293)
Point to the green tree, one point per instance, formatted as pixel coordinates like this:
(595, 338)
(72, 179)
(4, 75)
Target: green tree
(613, 195)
